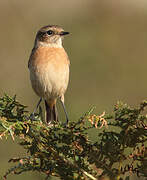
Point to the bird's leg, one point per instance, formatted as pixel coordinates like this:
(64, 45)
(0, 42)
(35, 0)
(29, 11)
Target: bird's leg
(63, 105)
(32, 116)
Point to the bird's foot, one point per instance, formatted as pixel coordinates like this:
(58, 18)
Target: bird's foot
(32, 117)
(66, 123)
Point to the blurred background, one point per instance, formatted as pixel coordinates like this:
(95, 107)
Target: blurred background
(107, 48)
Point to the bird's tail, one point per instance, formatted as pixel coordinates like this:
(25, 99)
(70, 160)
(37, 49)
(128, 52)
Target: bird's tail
(51, 113)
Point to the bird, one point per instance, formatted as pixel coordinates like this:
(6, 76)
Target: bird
(49, 69)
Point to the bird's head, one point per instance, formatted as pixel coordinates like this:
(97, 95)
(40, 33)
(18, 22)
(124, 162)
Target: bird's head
(50, 36)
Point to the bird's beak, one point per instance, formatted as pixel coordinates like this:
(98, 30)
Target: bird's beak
(63, 33)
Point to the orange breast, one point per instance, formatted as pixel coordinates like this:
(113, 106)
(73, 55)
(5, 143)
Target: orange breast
(45, 55)
(49, 71)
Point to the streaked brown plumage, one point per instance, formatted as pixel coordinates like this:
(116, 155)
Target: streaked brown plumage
(49, 68)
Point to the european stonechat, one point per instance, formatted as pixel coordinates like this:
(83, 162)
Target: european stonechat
(49, 69)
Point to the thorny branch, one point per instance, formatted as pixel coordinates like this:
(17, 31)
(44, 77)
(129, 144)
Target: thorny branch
(118, 147)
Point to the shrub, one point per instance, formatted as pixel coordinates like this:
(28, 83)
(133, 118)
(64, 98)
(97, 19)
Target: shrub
(68, 152)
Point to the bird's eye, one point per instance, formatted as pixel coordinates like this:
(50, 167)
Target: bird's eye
(50, 32)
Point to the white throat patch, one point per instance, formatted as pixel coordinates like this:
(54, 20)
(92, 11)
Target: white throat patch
(58, 44)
